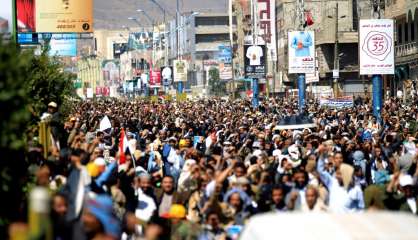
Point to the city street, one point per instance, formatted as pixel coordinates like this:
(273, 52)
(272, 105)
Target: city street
(209, 120)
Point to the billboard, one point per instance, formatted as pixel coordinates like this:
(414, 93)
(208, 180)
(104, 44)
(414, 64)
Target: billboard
(25, 15)
(63, 45)
(155, 79)
(167, 75)
(255, 61)
(301, 51)
(180, 70)
(376, 46)
(140, 40)
(6, 16)
(267, 28)
(64, 16)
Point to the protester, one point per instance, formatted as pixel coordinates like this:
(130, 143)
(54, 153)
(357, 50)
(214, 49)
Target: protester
(199, 169)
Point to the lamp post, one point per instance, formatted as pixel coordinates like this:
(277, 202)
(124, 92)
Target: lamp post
(336, 70)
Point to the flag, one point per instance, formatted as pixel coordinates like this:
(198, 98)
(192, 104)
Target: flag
(105, 124)
(123, 145)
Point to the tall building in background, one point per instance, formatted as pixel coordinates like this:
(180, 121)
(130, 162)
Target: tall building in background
(405, 14)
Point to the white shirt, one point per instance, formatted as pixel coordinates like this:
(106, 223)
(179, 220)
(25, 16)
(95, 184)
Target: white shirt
(146, 206)
(254, 53)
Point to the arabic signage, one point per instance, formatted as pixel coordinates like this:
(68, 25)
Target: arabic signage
(301, 52)
(267, 26)
(376, 47)
(255, 61)
(340, 102)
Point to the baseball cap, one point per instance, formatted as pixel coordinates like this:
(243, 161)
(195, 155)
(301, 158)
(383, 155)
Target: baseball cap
(176, 211)
(53, 104)
(405, 180)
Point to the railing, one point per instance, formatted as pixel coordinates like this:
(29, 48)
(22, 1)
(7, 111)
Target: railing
(406, 49)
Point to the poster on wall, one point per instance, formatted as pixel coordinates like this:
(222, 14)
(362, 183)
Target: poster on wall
(255, 61)
(267, 26)
(376, 46)
(180, 70)
(301, 52)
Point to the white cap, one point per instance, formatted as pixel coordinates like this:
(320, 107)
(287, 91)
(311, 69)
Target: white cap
(405, 180)
(52, 104)
(100, 161)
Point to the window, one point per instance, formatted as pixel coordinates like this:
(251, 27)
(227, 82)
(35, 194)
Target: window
(399, 33)
(412, 31)
(406, 32)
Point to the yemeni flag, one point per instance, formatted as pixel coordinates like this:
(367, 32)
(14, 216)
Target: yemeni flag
(123, 145)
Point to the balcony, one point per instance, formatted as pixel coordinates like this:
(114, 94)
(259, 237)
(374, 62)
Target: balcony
(406, 52)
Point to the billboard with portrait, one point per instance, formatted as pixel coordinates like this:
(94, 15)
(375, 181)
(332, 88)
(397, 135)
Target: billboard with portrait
(301, 52)
(255, 61)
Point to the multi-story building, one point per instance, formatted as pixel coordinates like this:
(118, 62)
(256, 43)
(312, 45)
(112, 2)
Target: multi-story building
(200, 37)
(331, 25)
(405, 14)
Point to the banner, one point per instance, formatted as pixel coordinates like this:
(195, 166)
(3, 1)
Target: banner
(225, 71)
(312, 77)
(340, 102)
(64, 16)
(180, 70)
(140, 40)
(25, 15)
(155, 79)
(255, 61)
(6, 16)
(267, 25)
(376, 46)
(63, 45)
(167, 75)
(301, 51)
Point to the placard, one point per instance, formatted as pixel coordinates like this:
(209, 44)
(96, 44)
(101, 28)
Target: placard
(301, 52)
(376, 46)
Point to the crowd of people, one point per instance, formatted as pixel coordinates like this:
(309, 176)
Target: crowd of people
(199, 169)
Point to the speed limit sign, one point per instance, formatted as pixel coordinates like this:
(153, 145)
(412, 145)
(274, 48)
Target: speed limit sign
(376, 47)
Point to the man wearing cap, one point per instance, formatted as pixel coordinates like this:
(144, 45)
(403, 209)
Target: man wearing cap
(401, 194)
(181, 229)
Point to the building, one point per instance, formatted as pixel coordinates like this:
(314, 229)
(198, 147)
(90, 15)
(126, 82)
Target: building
(200, 39)
(331, 24)
(405, 14)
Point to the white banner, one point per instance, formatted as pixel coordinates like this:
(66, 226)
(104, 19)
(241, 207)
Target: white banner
(312, 77)
(301, 51)
(180, 70)
(267, 26)
(376, 47)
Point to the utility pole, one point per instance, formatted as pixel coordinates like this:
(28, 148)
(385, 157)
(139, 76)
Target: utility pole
(180, 84)
(231, 39)
(301, 76)
(377, 80)
(336, 57)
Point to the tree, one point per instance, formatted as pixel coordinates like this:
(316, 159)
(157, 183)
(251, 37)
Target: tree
(216, 86)
(27, 84)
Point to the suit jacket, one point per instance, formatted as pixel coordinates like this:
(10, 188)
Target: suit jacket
(178, 198)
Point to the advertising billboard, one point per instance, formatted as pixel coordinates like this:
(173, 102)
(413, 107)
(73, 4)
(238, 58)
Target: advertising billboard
(376, 46)
(55, 16)
(6, 16)
(267, 28)
(180, 70)
(64, 16)
(25, 15)
(255, 61)
(167, 75)
(155, 79)
(140, 40)
(63, 45)
(301, 51)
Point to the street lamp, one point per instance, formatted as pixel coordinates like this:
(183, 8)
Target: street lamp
(336, 55)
